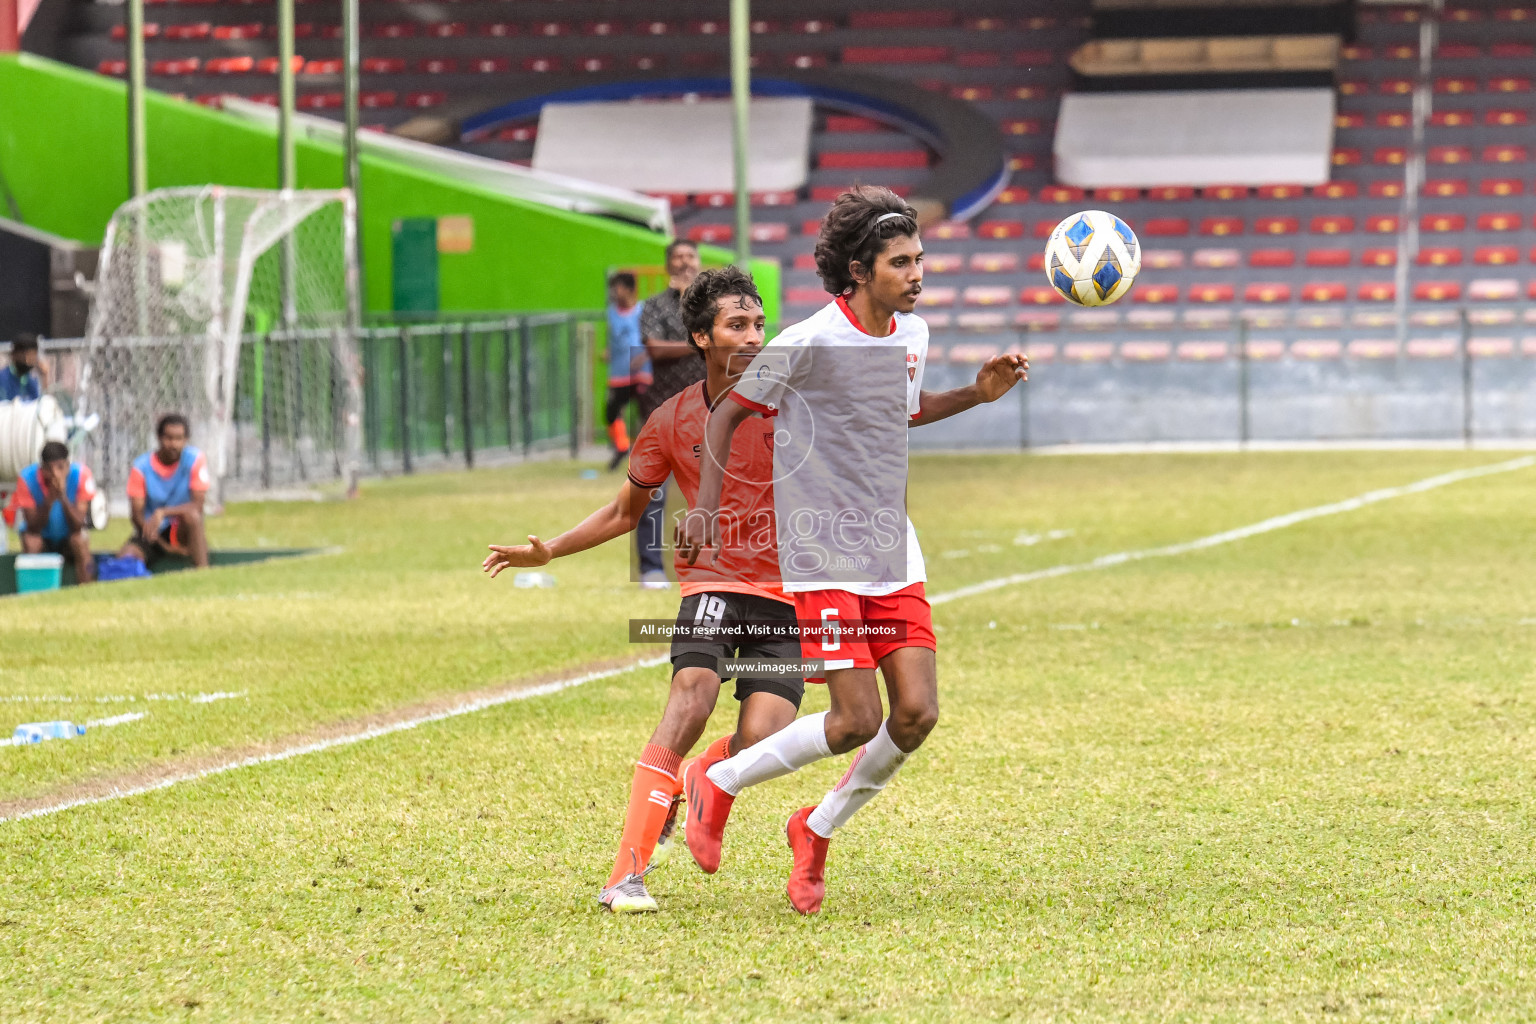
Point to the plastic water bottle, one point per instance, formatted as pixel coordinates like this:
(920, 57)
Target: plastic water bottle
(36, 732)
(530, 580)
(589, 474)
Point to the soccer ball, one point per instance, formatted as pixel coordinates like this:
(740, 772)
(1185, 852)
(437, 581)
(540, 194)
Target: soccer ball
(1092, 258)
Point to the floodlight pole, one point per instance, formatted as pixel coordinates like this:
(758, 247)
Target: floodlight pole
(286, 170)
(351, 172)
(138, 164)
(741, 102)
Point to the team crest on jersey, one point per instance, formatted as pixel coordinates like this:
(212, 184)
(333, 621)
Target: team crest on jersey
(911, 366)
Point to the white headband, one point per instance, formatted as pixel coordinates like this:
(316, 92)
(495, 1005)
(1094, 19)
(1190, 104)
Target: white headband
(885, 217)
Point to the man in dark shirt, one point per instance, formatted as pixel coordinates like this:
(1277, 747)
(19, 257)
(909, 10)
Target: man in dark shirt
(26, 375)
(675, 365)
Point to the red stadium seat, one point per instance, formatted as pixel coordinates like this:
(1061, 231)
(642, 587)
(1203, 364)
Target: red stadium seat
(180, 66)
(1324, 291)
(949, 230)
(1437, 291)
(1382, 224)
(920, 18)
(785, 198)
(1450, 119)
(805, 297)
(268, 65)
(111, 66)
(1346, 157)
(805, 261)
(1510, 83)
(1328, 258)
(714, 200)
(500, 29)
(229, 66)
(1331, 225)
(436, 66)
(1394, 119)
(1225, 192)
(1116, 195)
(488, 65)
(393, 30)
(1438, 256)
(1216, 259)
(1021, 125)
(1495, 255)
(1040, 295)
(943, 262)
(448, 30)
(425, 99)
(1388, 189)
(543, 65)
(864, 159)
(1395, 86)
(979, 59)
(1376, 291)
(645, 61)
(1390, 154)
(1457, 51)
(593, 64)
(711, 233)
(1276, 226)
(1440, 223)
(383, 65)
(1033, 58)
(1500, 187)
(1043, 228)
(1498, 222)
(602, 27)
(769, 232)
(1455, 86)
(1337, 190)
(1012, 196)
(1281, 191)
(1444, 187)
(1354, 120)
(1505, 155)
(151, 31)
(1060, 194)
(1036, 263)
(1220, 226)
(1000, 229)
(994, 262)
(248, 30)
(551, 29)
(803, 60)
(1156, 294)
(653, 28)
(940, 297)
(1021, 162)
(1506, 118)
(1271, 258)
(1168, 227)
(1353, 87)
(708, 27)
(812, 26)
(1267, 292)
(1171, 194)
(318, 101)
(829, 193)
(520, 133)
(189, 32)
(331, 66)
(988, 295)
(1379, 258)
(1211, 293)
(897, 55)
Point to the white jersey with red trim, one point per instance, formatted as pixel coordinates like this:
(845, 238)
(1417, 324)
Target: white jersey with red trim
(770, 384)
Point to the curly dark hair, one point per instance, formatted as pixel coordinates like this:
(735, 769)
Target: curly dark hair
(850, 235)
(701, 302)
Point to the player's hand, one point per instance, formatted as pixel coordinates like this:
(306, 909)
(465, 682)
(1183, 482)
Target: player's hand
(58, 477)
(516, 556)
(152, 524)
(695, 534)
(1000, 374)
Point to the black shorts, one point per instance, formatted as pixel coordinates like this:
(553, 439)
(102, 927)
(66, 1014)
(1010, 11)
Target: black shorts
(728, 609)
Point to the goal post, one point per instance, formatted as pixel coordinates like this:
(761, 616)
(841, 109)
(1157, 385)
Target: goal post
(237, 308)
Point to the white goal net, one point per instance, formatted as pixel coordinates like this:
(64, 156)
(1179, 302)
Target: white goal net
(236, 308)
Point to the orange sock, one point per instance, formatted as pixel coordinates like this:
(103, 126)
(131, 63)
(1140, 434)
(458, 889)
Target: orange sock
(650, 797)
(618, 433)
(720, 749)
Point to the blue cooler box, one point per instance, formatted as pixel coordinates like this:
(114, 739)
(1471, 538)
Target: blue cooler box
(38, 572)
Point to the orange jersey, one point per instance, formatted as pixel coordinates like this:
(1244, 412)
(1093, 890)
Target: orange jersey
(672, 443)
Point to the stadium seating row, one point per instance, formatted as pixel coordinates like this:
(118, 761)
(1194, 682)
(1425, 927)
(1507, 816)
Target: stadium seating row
(1260, 349)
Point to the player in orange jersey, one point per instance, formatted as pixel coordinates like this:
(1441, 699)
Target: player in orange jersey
(721, 598)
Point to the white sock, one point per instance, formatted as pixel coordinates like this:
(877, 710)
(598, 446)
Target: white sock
(873, 766)
(798, 744)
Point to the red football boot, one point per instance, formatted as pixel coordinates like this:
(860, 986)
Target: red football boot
(807, 880)
(708, 807)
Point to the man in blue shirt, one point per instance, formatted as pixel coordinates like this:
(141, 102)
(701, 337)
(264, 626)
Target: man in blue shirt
(25, 376)
(629, 369)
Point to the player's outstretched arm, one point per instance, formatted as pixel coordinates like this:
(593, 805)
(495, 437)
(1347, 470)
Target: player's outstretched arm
(698, 529)
(993, 381)
(615, 519)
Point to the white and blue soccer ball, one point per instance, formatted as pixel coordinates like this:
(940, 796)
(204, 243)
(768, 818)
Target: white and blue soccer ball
(1092, 258)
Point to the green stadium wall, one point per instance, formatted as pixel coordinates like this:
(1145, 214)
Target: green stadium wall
(63, 155)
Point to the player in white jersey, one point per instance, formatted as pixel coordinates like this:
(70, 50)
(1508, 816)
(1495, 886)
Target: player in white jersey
(835, 382)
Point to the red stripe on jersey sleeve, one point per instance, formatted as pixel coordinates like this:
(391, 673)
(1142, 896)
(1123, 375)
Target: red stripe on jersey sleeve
(761, 410)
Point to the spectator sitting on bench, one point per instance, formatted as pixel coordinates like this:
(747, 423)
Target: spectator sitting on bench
(51, 508)
(25, 376)
(166, 488)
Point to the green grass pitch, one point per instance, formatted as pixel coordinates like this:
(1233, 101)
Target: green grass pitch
(1286, 778)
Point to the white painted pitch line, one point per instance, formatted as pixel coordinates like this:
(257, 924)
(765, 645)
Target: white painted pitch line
(1266, 526)
(1241, 533)
(107, 723)
(191, 698)
(466, 708)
